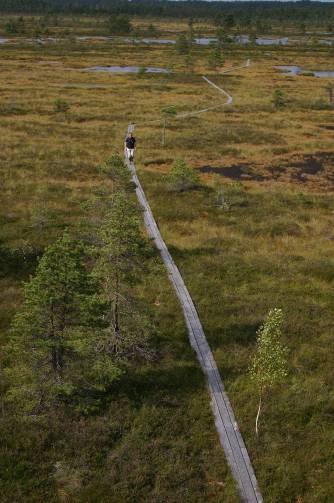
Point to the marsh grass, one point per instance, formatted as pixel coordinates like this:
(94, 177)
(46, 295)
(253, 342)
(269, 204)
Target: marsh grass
(270, 248)
(155, 438)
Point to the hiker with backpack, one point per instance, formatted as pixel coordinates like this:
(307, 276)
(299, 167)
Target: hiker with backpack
(130, 146)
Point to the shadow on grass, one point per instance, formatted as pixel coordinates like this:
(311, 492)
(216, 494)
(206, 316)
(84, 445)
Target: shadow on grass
(18, 263)
(243, 334)
(160, 384)
(179, 254)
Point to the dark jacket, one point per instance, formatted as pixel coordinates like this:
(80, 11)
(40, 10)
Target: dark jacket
(130, 142)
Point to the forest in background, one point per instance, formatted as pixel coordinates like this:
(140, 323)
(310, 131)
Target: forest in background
(243, 13)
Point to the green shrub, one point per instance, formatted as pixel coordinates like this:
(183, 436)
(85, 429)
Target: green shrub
(142, 71)
(215, 58)
(119, 25)
(321, 268)
(15, 26)
(152, 31)
(182, 45)
(282, 228)
(321, 105)
(278, 99)
(61, 106)
(170, 111)
(12, 108)
(182, 177)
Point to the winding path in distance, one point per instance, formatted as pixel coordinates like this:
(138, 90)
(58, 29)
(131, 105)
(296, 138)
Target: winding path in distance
(226, 424)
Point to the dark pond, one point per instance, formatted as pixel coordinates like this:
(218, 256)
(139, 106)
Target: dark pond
(125, 69)
(235, 172)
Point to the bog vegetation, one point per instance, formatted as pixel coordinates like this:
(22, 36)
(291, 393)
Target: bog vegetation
(101, 397)
(79, 326)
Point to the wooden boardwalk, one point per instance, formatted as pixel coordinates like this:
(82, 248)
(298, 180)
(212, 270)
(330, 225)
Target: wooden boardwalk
(230, 437)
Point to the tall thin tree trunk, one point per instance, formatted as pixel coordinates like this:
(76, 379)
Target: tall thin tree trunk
(258, 415)
(57, 361)
(163, 140)
(116, 308)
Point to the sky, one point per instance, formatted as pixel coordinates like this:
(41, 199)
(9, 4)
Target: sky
(310, 1)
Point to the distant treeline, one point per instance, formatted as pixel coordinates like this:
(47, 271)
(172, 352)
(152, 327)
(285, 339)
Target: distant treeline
(243, 12)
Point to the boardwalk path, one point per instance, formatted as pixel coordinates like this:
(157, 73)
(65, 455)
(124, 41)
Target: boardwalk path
(230, 437)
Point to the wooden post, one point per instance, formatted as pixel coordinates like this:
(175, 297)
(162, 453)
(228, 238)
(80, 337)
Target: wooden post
(163, 141)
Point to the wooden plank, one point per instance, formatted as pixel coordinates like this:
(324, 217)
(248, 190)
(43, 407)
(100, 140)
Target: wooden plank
(227, 427)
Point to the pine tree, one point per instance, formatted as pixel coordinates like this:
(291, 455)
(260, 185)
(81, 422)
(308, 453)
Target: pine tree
(191, 31)
(54, 350)
(221, 35)
(215, 58)
(120, 256)
(119, 24)
(116, 178)
(182, 45)
(167, 113)
(182, 177)
(115, 169)
(278, 99)
(269, 365)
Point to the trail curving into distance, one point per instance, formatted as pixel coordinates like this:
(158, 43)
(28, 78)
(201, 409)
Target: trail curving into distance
(227, 427)
(203, 110)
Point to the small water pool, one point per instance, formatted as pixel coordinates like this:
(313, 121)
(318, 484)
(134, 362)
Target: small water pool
(297, 70)
(93, 37)
(205, 40)
(324, 74)
(245, 39)
(125, 69)
(241, 39)
(326, 42)
(156, 41)
(289, 69)
(272, 41)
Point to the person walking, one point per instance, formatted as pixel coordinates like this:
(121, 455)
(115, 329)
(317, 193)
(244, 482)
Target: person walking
(130, 146)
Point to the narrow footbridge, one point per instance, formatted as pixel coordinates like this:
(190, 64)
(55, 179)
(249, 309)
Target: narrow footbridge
(229, 434)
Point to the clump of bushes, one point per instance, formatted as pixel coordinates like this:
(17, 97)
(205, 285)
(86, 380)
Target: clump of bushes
(15, 26)
(142, 71)
(182, 177)
(215, 58)
(182, 45)
(61, 106)
(279, 99)
(284, 227)
(119, 25)
(12, 108)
